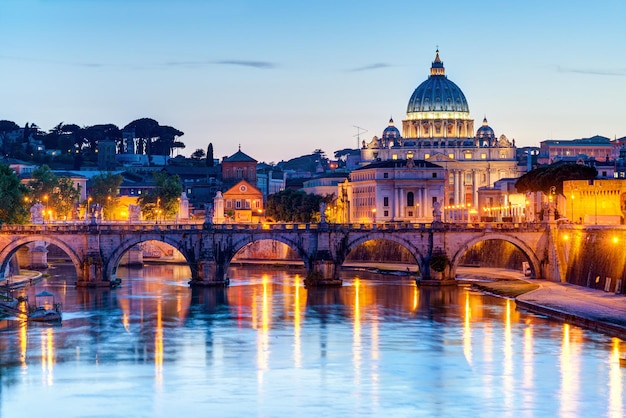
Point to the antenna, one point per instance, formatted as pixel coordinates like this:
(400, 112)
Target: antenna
(359, 131)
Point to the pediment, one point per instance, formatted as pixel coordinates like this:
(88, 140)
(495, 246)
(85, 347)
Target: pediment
(439, 157)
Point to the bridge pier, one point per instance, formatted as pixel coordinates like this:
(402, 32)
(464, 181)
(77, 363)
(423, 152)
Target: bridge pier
(322, 271)
(210, 274)
(92, 272)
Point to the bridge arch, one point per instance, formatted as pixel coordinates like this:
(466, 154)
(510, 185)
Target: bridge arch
(526, 250)
(349, 246)
(111, 263)
(9, 251)
(247, 240)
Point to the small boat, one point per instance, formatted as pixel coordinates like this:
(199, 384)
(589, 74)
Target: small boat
(46, 310)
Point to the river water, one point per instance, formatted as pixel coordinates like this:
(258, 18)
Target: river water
(267, 347)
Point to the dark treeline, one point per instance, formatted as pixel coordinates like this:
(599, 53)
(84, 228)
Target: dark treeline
(141, 136)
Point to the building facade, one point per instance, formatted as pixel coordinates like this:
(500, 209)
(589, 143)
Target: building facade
(392, 191)
(438, 129)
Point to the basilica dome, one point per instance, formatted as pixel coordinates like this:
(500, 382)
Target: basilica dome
(437, 94)
(391, 133)
(485, 132)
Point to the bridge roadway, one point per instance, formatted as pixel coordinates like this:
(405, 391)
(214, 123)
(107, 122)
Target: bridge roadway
(97, 248)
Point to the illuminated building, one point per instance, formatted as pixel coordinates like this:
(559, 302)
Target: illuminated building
(438, 129)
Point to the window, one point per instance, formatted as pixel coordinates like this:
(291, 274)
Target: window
(238, 204)
(434, 175)
(468, 155)
(386, 213)
(451, 156)
(410, 199)
(385, 201)
(394, 157)
(410, 213)
(229, 204)
(257, 204)
(483, 156)
(385, 175)
(426, 156)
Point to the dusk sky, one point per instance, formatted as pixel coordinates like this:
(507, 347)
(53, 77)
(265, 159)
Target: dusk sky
(283, 78)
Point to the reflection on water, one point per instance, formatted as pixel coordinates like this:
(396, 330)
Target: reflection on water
(266, 346)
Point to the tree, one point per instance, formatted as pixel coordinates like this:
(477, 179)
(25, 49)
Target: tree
(209, 155)
(7, 126)
(154, 139)
(542, 179)
(198, 154)
(294, 206)
(58, 194)
(104, 192)
(162, 202)
(13, 205)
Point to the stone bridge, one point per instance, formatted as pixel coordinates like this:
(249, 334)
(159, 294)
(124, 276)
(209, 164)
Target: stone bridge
(96, 249)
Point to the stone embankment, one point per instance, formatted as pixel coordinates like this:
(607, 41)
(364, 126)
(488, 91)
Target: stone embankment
(592, 309)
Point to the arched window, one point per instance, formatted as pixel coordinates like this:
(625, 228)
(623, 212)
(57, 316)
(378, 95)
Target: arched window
(410, 199)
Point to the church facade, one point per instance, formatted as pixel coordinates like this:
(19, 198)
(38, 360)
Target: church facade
(438, 129)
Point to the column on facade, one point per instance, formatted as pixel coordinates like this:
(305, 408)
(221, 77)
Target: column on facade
(457, 186)
(474, 189)
(401, 202)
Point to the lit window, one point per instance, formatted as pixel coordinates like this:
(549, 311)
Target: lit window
(468, 155)
(426, 156)
(451, 156)
(483, 156)
(394, 157)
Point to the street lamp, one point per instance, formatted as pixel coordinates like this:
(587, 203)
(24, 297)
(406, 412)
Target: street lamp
(88, 203)
(373, 215)
(45, 206)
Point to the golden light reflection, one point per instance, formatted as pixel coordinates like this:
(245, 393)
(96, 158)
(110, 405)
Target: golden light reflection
(297, 350)
(126, 322)
(356, 333)
(23, 339)
(416, 299)
(158, 345)
(467, 330)
(616, 390)
(508, 358)
(263, 335)
(47, 356)
(569, 374)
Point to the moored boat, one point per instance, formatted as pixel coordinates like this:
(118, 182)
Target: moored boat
(46, 310)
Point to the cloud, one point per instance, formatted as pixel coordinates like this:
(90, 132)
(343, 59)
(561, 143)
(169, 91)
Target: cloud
(370, 67)
(591, 71)
(254, 64)
(263, 65)
(190, 64)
